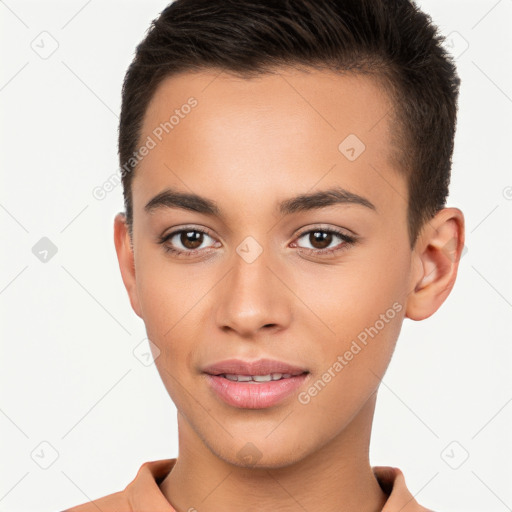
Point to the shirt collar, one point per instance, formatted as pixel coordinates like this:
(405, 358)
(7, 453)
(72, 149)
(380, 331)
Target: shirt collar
(144, 493)
(392, 482)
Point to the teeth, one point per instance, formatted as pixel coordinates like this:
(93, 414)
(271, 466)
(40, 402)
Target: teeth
(243, 378)
(257, 378)
(263, 378)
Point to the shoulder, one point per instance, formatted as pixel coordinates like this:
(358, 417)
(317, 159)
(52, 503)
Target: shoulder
(141, 494)
(111, 503)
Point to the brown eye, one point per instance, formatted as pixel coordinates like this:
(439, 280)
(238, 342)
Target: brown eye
(325, 241)
(320, 239)
(186, 242)
(191, 239)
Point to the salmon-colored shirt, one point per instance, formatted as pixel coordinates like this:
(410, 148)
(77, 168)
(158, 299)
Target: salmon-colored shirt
(142, 494)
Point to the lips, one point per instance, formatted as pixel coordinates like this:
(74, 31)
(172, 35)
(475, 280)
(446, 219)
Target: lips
(254, 384)
(259, 367)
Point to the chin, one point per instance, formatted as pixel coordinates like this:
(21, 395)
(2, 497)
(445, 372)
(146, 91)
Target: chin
(263, 456)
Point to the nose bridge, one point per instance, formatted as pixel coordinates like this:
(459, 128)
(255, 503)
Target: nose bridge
(252, 297)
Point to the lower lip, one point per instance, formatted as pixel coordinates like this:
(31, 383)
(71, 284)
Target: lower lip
(256, 395)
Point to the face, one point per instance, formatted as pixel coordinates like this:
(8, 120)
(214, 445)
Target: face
(296, 251)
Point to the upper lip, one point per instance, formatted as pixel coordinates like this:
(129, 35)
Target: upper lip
(258, 367)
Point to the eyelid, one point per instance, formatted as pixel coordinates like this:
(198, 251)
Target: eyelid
(327, 228)
(173, 231)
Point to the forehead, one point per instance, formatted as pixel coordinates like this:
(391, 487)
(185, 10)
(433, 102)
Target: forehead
(290, 130)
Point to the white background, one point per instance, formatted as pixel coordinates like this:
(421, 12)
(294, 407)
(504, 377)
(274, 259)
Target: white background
(68, 373)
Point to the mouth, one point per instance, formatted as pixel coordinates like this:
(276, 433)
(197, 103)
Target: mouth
(255, 379)
(254, 385)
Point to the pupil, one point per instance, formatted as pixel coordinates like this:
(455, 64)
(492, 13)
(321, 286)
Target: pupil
(191, 239)
(321, 237)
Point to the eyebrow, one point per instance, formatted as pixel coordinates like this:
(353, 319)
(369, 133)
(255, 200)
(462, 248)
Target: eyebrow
(170, 198)
(321, 199)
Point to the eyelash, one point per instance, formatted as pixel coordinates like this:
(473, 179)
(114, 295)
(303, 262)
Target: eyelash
(348, 242)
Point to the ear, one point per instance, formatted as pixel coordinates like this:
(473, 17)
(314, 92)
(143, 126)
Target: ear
(436, 254)
(126, 260)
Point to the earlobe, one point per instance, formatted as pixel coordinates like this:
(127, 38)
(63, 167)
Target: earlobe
(437, 254)
(126, 260)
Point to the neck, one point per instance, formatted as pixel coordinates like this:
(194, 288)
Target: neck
(337, 477)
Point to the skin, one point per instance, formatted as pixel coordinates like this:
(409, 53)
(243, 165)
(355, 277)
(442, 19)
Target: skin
(247, 145)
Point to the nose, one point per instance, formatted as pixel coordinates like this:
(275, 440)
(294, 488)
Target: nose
(253, 298)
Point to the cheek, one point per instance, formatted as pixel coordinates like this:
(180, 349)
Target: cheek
(172, 302)
(166, 291)
(351, 370)
(359, 309)
(348, 304)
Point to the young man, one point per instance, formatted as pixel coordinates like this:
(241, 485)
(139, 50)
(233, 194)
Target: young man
(285, 167)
